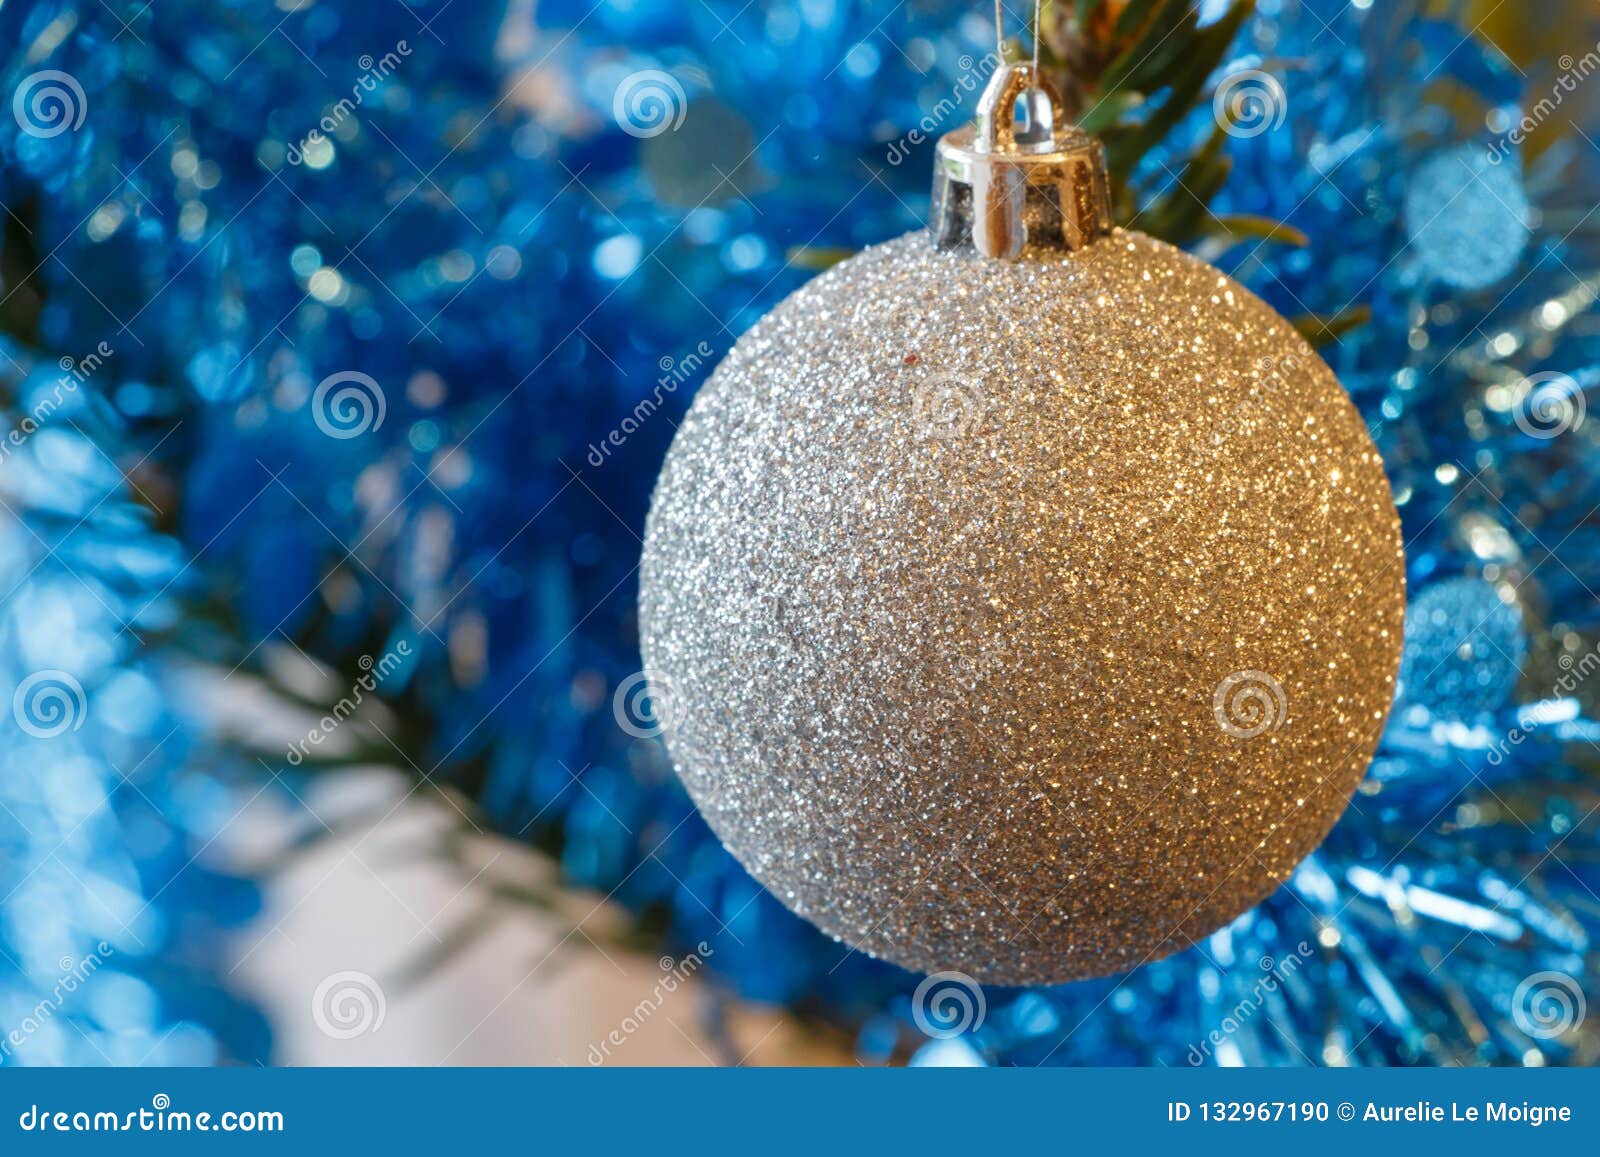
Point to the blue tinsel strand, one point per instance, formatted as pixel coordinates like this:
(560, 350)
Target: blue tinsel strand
(109, 924)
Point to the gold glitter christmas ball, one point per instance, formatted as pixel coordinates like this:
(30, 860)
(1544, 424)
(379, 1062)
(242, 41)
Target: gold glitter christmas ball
(1026, 618)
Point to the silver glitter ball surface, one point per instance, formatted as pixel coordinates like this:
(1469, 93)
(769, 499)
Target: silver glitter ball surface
(1029, 619)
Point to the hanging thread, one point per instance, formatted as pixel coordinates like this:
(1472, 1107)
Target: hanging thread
(1038, 11)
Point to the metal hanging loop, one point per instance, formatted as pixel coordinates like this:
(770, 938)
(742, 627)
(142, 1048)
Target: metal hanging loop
(1020, 177)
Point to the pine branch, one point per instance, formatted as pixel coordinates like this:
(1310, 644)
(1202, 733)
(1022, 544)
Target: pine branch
(1131, 72)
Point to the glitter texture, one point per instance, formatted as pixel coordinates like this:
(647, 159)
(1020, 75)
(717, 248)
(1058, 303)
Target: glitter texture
(1467, 217)
(1029, 619)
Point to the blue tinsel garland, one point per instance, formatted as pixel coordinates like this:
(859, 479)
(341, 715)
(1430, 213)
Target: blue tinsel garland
(109, 921)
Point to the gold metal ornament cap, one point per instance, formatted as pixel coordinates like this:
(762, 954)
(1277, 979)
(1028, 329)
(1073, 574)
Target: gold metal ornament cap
(1020, 177)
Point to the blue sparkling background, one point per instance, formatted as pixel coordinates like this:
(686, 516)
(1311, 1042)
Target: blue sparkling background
(483, 239)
